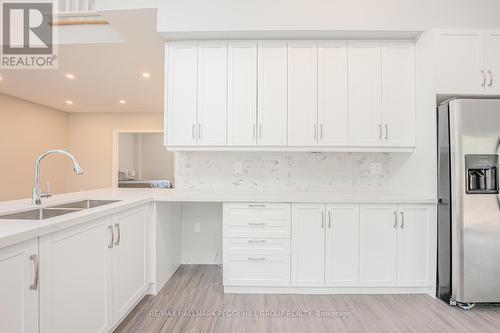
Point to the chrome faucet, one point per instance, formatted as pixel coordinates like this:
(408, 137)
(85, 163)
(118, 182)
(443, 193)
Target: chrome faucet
(37, 192)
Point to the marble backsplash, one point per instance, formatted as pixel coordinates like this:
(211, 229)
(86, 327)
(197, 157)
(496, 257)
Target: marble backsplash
(279, 171)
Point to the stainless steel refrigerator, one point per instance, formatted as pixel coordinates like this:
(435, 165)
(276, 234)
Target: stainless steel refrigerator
(469, 205)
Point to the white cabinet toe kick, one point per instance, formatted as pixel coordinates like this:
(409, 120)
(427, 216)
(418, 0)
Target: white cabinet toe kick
(323, 248)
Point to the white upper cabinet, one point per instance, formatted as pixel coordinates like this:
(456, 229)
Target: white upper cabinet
(492, 61)
(212, 93)
(460, 64)
(272, 93)
(365, 100)
(242, 93)
(333, 110)
(295, 95)
(468, 62)
(182, 91)
(308, 245)
(398, 93)
(302, 93)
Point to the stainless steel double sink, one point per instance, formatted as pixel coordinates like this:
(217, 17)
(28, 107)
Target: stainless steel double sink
(56, 210)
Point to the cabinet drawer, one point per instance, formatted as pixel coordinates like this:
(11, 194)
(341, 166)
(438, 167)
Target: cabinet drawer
(256, 246)
(256, 270)
(257, 220)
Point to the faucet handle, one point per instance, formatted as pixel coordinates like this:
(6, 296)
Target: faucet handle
(46, 194)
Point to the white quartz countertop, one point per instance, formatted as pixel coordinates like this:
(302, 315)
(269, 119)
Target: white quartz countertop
(14, 231)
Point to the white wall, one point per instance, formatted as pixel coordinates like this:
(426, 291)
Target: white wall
(155, 162)
(204, 247)
(241, 15)
(126, 152)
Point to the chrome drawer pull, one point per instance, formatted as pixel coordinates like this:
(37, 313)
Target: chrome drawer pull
(256, 206)
(117, 226)
(110, 246)
(262, 241)
(253, 224)
(256, 259)
(395, 220)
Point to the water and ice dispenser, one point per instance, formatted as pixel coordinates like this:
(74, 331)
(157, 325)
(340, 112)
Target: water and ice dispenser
(481, 174)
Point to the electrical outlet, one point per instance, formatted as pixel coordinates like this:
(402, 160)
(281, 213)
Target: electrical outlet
(375, 168)
(197, 227)
(238, 168)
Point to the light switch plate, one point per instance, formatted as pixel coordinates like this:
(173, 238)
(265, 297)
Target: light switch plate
(375, 168)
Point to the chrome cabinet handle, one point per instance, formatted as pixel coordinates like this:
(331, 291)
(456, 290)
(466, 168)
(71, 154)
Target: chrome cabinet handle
(321, 131)
(110, 245)
(256, 224)
(260, 131)
(34, 285)
(484, 79)
(491, 79)
(192, 131)
(199, 131)
(256, 259)
(395, 220)
(386, 131)
(315, 131)
(329, 220)
(402, 220)
(256, 206)
(322, 220)
(117, 226)
(261, 241)
(380, 131)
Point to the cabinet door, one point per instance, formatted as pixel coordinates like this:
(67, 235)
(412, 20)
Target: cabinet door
(302, 93)
(365, 128)
(398, 93)
(333, 115)
(308, 245)
(416, 245)
(460, 63)
(492, 62)
(182, 83)
(342, 245)
(378, 245)
(19, 288)
(272, 96)
(212, 93)
(129, 260)
(75, 295)
(242, 93)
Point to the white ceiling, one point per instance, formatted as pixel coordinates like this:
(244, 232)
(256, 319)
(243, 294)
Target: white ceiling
(105, 72)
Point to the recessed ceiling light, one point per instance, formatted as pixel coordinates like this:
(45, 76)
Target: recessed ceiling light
(1, 78)
(146, 75)
(69, 102)
(122, 101)
(70, 76)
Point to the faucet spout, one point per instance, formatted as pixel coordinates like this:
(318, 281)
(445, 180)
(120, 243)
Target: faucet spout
(37, 192)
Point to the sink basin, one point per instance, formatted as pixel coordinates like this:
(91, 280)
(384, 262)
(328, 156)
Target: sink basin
(84, 204)
(36, 214)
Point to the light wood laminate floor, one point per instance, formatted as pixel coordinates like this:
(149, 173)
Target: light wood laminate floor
(199, 288)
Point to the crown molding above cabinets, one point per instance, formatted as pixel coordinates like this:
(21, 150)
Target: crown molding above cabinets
(307, 95)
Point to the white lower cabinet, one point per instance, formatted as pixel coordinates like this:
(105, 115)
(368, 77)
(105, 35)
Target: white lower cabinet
(93, 274)
(19, 288)
(75, 293)
(342, 245)
(129, 260)
(397, 245)
(308, 245)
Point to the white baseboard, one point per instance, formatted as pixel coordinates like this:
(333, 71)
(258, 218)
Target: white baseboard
(327, 291)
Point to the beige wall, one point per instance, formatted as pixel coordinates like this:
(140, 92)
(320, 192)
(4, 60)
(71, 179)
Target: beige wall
(26, 131)
(90, 138)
